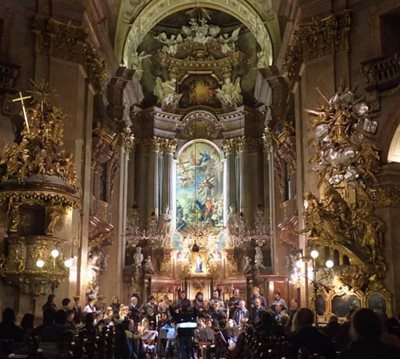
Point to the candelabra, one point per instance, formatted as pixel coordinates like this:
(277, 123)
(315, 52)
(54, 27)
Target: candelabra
(242, 232)
(300, 261)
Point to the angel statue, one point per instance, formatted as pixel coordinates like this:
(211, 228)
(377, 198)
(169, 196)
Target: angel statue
(137, 65)
(171, 44)
(230, 93)
(166, 92)
(259, 259)
(228, 42)
(247, 267)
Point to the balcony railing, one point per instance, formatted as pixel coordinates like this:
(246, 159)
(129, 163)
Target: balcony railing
(382, 73)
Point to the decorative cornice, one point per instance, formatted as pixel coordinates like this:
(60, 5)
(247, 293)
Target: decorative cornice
(69, 42)
(239, 144)
(155, 143)
(317, 39)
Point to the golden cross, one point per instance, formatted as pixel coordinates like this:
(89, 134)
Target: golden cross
(21, 99)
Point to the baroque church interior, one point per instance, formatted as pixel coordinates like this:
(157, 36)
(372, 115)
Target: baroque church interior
(150, 147)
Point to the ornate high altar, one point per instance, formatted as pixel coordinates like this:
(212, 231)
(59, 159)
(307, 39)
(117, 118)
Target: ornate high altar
(200, 216)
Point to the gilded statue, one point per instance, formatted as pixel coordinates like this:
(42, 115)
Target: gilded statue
(14, 218)
(148, 265)
(230, 93)
(53, 216)
(372, 239)
(320, 223)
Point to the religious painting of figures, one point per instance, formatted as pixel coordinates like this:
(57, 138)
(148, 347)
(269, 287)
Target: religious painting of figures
(199, 90)
(199, 187)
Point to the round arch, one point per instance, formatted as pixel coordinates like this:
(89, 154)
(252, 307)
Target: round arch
(201, 140)
(156, 11)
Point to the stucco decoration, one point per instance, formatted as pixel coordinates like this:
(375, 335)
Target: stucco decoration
(155, 11)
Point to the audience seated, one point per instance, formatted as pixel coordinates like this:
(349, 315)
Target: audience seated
(308, 338)
(366, 331)
(195, 330)
(8, 329)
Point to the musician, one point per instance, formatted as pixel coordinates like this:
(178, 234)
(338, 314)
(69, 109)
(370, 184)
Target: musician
(218, 313)
(233, 303)
(134, 309)
(182, 302)
(216, 298)
(240, 312)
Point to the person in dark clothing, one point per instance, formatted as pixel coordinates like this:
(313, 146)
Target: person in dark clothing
(308, 338)
(8, 329)
(48, 318)
(27, 325)
(182, 302)
(57, 332)
(366, 330)
(332, 327)
(115, 305)
(50, 303)
(186, 322)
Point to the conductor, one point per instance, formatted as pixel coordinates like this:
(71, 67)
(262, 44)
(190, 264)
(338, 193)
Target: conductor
(185, 317)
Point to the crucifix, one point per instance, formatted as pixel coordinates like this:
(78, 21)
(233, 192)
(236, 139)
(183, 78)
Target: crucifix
(21, 99)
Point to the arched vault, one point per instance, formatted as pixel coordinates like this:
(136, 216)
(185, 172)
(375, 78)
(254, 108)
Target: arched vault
(156, 10)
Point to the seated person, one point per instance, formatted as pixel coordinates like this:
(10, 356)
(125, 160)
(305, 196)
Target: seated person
(309, 338)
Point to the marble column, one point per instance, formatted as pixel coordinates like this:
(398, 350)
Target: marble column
(244, 184)
(141, 177)
(230, 177)
(111, 279)
(154, 177)
(169, 147)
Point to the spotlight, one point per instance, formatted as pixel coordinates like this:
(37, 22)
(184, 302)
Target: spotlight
(55, 253)
(314, 254)
(40, 263)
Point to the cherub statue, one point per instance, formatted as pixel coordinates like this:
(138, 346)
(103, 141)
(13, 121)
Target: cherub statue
(230, 93)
